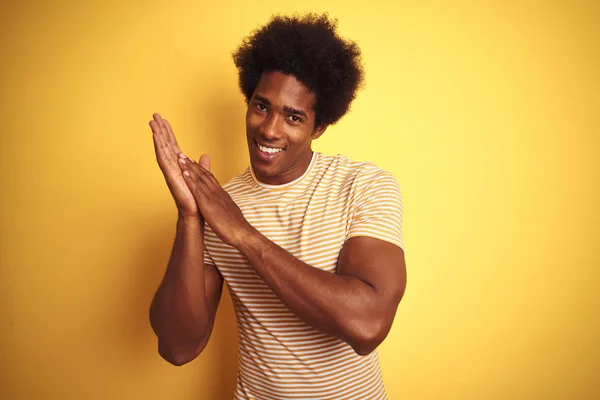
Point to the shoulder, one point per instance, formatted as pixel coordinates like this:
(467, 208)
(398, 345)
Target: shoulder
(360, 173)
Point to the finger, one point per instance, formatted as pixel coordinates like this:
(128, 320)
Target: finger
(208, 181)
(158, 145)
(160, 126)
(159, 122)
(166, 161)
(156, 117)
(208, 177)
(199, 173)
(154, 127)
(158, 148)
(205, 161)
(163, 130)
(186, 163)
(196, 185)
(161, 149)
(171, 137)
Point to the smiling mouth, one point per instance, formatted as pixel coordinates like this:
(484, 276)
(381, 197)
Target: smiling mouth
(268, 150)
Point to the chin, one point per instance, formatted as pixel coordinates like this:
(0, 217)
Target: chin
(267, 172)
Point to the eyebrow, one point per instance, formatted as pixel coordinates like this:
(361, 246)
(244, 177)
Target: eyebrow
(288, 109)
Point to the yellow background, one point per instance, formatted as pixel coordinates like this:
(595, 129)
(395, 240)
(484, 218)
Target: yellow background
(486, 112)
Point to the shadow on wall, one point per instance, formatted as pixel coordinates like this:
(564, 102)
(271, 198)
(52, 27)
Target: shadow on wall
(228, 150)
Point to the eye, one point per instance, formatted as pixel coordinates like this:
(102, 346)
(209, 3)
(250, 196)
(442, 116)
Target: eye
(261, 107)
(294, 118)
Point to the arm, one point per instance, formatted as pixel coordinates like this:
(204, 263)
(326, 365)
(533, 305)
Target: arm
(184, 307)
(357, 304)
(183, 310)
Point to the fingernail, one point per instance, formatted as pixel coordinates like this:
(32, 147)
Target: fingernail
(181, 160)
(186, 173)
(182, 155)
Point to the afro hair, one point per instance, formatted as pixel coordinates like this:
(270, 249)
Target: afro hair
(309, 49)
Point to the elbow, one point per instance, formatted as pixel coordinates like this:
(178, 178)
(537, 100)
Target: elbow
(174, 347)
(368, 336)
(368, 333)
(364, 349)
(176, 355)
(177, 359)
(365, 346)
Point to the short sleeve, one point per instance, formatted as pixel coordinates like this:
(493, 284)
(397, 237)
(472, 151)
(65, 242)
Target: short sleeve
(377, 210)
(207, 258)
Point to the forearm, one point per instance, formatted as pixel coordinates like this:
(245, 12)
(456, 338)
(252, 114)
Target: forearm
(180, 313)
(341, 306)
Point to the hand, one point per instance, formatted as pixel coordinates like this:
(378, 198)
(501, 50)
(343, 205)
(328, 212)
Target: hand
(216, 206)
(167, 153)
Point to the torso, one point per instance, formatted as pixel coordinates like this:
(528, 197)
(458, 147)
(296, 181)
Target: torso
(280, 356)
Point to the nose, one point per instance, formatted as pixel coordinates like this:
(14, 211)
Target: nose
(270, 129)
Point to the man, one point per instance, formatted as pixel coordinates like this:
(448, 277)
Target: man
(310, 245)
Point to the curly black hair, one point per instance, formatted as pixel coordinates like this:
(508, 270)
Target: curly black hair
(308, 48)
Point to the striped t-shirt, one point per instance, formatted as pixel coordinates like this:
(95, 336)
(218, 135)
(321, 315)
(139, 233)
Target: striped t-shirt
(280, 356)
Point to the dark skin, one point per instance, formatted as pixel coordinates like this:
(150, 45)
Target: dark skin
(280, 115)
(183, 309)
(357, 304)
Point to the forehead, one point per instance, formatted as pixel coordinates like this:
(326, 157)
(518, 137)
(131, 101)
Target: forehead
(285, 90)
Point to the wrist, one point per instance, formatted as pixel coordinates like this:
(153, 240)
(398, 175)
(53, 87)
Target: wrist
(189, 219)
(245, 238)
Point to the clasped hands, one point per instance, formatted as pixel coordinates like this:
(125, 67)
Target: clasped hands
(196, 191)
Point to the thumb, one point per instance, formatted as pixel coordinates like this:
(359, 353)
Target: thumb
(205, 162)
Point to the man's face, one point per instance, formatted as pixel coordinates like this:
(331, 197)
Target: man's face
(280, 128)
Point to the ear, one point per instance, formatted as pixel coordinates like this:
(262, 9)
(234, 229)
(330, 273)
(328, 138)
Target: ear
(319, 130)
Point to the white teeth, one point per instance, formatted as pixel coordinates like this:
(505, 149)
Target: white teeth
(269, 149)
